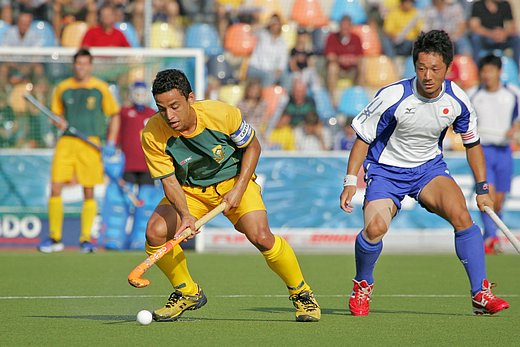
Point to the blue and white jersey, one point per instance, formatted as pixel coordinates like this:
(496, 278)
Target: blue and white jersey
(496, 111)
(406, 130)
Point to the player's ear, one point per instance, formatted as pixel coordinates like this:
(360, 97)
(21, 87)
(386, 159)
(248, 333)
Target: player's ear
(191, 98)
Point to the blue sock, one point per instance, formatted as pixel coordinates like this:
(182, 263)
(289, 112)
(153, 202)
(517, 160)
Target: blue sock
(490, 229)
(366, 257)
(469, 246)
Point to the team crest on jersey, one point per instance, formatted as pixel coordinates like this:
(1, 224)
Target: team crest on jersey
(218, 153)
(91, 102)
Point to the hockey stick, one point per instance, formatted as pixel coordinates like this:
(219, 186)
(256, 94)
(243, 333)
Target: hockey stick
(514, 241)
(55, 118)
(134, 278)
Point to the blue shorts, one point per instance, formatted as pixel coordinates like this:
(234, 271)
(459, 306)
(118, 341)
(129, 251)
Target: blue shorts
(499, 166)
(391, 182)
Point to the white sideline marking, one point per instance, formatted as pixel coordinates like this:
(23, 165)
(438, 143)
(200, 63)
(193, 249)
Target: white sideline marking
(235, 296)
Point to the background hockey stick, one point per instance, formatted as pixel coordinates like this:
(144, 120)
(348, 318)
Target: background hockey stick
(55, 118)
(514, 241)
(134, 278)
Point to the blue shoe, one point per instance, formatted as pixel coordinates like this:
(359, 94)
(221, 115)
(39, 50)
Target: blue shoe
(50, 246)
(87, 247)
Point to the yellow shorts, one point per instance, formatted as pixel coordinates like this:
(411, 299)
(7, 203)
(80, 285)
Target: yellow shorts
(75, 158)
(201, 201)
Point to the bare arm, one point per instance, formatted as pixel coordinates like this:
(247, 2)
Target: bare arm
(113, 128)
(357, 156)
(248, 167)
(477, 163)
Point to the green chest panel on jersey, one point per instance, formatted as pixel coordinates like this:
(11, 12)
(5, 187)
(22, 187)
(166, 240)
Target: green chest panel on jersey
(84, 111)
(205, 159)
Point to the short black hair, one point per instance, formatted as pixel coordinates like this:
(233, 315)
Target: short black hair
(82, 52)
(434, 41)
(170, 79)
(490, 59)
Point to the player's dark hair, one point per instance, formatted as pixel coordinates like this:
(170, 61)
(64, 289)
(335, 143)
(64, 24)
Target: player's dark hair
(170, 79)
(434, 41)
(82, 52)
(490, 59)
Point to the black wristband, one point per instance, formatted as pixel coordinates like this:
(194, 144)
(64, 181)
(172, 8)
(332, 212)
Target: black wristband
(482, 188)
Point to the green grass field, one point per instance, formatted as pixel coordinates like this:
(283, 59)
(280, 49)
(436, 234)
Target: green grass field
(73, 299)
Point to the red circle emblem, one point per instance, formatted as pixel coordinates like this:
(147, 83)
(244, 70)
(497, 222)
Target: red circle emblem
(445, 111)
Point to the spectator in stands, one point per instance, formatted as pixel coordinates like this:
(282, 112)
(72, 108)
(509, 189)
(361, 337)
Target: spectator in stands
(282, 136)
(21, 35)
(165, 11)
(496, 105)
(345, 139)
(6, 11)
(312, 135)
(302, 63)
(253, 107)
(198, 10)
(493, 27)
(300, 103)
(105, 34)
(68, 11)
(450, 17)
(270, 56)
(343, 52)
(38, 8)
(85, 103)
(401, 27)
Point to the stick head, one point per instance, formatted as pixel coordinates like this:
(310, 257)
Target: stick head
(138, 282)
(140, 203)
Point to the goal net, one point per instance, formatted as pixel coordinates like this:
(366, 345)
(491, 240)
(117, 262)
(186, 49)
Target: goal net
(40, 69)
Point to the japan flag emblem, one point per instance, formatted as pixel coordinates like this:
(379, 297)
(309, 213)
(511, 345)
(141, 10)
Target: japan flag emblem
(446, 111)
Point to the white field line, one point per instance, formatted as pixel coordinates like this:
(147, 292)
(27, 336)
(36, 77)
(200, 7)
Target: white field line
(78, 297)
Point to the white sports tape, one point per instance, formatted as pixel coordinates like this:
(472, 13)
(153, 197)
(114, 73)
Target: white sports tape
(350, 180)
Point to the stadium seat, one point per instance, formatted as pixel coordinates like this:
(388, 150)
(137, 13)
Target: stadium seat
(273, 95)
(319, 38)
(308, 13)
(73, 34)
(370, 41)
(46, 30)
(352, 8)
(352, 101)
(289, 34)
(130, 33)
(205, 36)
(239, 40)
(218, 67)
(509, 71)
(324, 106)
(231, 93)
(16, 99)
(268, 8)
(379, 71)
(463, 71)
(3, 28)
(164, 35)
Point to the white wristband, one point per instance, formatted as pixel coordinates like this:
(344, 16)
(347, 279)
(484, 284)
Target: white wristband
(350, 180)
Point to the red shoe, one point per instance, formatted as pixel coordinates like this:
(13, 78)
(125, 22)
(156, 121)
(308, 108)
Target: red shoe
(359, 302)
(485, 302)
(492, 246)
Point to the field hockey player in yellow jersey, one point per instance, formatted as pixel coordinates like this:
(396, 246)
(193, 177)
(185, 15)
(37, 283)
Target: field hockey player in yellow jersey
(205, 153)
(84, 102)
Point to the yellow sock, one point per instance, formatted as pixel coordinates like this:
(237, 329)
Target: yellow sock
(174, 266)
(88, 214)
(282, 260)
(55, 217)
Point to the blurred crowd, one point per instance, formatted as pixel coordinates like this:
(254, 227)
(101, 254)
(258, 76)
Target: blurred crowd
(299, 70)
